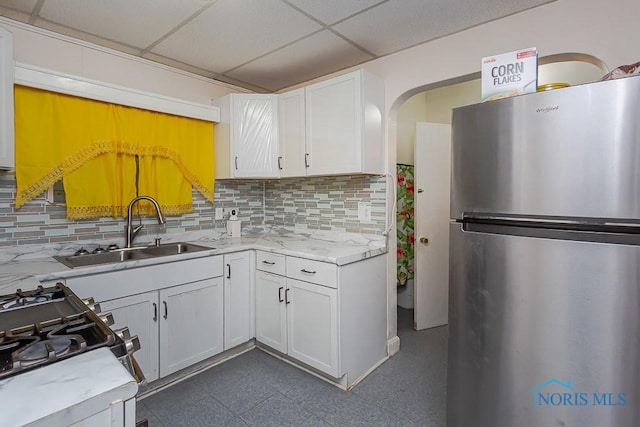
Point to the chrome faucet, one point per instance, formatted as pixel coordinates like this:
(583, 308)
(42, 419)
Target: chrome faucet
(132, 231)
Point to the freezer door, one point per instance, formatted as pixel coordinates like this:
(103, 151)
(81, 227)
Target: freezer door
(572, 152)
(542, 332)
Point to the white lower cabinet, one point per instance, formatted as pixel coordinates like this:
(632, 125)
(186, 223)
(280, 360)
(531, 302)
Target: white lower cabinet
(297, 318)
(140, 314)
(312, 325)
(271, 312)
(190, 320)
(175, 309)
(239, 318)
(330, 318)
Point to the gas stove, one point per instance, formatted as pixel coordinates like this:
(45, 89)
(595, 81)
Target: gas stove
(48, 324)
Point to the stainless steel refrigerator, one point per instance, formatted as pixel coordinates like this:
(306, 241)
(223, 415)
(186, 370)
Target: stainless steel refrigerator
(544, 297)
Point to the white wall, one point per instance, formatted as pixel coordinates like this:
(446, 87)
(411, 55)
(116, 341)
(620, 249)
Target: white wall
(413, 110)
(53, 51)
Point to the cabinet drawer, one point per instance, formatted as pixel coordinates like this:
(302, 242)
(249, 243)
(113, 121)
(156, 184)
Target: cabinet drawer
(273, 263)
(307, 270)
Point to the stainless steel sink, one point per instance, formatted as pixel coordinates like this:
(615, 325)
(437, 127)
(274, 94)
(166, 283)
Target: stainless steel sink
(129, 254)
(172, 249)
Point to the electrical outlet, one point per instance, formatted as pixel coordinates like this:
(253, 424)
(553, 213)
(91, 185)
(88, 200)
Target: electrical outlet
(364, 211)
(219, 213)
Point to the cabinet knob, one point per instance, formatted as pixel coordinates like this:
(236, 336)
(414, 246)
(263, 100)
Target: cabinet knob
(424, 240)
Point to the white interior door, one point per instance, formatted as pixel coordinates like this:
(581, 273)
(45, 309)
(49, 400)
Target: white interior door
(432, 176)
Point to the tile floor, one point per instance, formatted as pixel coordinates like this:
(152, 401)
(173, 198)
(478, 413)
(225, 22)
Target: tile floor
(258, 389)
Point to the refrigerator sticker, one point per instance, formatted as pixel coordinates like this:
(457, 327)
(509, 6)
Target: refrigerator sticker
(509, 74)
(557, 393)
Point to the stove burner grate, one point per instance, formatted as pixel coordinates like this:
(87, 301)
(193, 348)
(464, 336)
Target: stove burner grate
(25, 298)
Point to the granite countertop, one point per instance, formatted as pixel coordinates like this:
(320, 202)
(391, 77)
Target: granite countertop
(25, 267)
(67, 391)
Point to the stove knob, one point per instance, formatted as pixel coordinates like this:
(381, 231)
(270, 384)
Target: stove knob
(107, 318)
(123, 333)
(132, 344)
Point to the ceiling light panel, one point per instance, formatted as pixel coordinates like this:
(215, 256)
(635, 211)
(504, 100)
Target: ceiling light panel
(231, 33)
(136, 23)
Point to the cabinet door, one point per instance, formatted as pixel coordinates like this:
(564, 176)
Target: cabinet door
(271, 315)
(333, 124)
(312, 325)
(292, 133)
(254, 136)
(238, 298)
(140, 314)
(191, 324)
(6, 100)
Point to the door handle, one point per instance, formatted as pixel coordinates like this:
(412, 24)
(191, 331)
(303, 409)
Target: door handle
(228, 271)
(166, 309)
(286, 296)
(236, 162)
(424, 240)
(304, 270)
(306, 160)
(280, 162)
(280, 294)
(155, 312)
(264, 261)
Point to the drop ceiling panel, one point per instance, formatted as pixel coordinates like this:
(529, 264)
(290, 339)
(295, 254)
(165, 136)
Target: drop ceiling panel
(314, 56)
(259, 45)
(233, 32)
(330, 11)
(405, 23)
(136, 23)
(25, 6)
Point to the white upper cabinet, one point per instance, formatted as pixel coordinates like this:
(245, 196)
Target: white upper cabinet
(344, 125)
(292, 133)
(334, 127)
(6, 100)
(246, 139)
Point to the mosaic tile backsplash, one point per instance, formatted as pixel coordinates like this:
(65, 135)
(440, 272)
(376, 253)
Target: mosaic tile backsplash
(327, 203)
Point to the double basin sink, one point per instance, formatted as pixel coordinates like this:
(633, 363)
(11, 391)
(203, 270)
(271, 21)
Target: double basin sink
(129, 254)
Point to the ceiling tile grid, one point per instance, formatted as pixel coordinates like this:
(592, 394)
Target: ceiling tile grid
(260, 45)
(232, 32)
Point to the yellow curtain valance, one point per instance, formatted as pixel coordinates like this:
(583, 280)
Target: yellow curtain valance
(92, 145)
